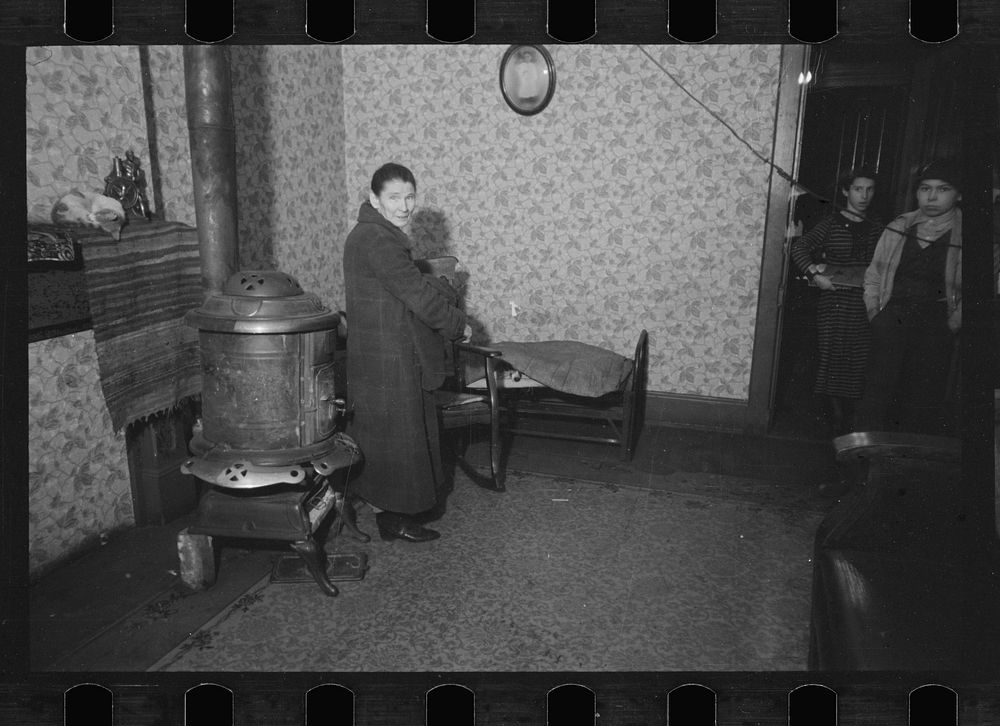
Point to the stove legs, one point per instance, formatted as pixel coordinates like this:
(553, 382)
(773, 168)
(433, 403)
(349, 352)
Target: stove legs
(347, 517)
(315, 561)
(291, 516)
(197, 560)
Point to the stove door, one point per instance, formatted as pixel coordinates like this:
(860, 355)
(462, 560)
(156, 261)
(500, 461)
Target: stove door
(319, 411)
(326, 405)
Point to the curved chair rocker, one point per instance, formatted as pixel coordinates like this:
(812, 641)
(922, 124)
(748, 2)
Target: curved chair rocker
(459, 408)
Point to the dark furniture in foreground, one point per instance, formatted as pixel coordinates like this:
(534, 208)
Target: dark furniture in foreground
(902, 577)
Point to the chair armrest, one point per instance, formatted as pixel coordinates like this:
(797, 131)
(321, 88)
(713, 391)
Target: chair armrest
(873, 445)
(478, 349)
(490, 361)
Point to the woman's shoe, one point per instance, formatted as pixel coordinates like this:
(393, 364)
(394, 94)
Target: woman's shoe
(394, 526)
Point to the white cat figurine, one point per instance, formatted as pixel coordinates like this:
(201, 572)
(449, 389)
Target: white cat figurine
(92, 210)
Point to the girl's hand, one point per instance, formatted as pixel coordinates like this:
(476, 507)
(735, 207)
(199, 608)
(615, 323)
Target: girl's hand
(823, 282)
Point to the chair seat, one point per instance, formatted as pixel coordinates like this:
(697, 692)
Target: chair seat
(458, 409)
(450, 399)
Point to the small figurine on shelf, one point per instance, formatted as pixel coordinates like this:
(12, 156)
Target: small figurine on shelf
(127, 183)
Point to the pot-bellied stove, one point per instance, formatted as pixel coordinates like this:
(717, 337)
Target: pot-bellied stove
(268, 442)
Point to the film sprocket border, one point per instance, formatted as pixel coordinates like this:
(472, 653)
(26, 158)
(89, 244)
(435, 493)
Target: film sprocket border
(385, 698)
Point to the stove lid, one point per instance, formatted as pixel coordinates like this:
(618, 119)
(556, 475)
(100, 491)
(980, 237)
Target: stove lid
(262, 283)
(262, 301)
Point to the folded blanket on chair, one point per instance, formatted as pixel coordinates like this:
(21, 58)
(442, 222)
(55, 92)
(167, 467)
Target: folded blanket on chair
(568, 366)
(140, 287)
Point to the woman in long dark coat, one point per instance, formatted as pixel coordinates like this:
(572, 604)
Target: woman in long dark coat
(399, 321)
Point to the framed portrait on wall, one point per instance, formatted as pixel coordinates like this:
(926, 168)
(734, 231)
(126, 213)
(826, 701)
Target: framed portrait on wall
(527, 78)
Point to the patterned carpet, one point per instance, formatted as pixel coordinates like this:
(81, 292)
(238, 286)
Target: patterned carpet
(554, 574)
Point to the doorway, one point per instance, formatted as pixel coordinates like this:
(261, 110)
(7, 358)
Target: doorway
(856, 112)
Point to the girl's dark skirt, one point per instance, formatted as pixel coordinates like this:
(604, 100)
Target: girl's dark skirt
(844, 338)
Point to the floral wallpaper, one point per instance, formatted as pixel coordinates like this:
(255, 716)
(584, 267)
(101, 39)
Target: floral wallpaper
(290, 163)
(173, 149)
(78, 480)
(84, 106)
(624, 202)
(623, 205)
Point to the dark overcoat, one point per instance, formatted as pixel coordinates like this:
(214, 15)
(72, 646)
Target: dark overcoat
(396, 319)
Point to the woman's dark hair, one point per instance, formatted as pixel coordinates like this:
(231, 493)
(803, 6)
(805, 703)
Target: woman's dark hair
(391, 172)
(858, 172)
(947, 170)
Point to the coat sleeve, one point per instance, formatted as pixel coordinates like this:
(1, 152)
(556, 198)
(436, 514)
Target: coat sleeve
(395, 270)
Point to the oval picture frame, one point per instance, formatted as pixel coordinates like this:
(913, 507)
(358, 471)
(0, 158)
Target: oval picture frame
(527, 78)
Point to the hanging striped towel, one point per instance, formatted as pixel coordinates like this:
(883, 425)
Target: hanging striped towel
(140, 287)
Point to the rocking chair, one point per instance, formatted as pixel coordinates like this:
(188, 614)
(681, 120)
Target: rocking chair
(460, 408)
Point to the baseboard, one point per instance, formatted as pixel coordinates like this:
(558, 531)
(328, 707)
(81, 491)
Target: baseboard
(78, 550)
(717, 414)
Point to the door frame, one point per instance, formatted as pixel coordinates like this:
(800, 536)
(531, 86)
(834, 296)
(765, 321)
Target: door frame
(789, 114)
